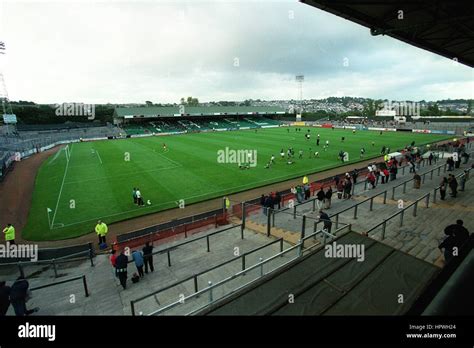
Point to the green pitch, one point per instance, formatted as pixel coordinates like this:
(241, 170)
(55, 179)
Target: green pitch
(97, 180)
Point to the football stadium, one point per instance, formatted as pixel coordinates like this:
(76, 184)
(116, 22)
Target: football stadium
(249, 207)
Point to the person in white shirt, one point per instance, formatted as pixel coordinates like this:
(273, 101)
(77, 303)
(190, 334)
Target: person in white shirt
(139, 197)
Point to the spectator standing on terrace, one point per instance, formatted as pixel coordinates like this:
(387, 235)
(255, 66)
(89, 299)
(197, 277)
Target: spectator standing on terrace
(321, 196)
(121, 263)
(371, 179)
(347, 188)
(328, 196)
(453, 185)
(450, 163)
(448, 244)
(148, 257)
(416, 181)
(9, 232)
(138, 258)
(323, 217)
(464, 178)
(430, 158)
(101, 229)
(340, 189)
(393, 173)
(262, 200)
(299, 194)
(278, 199)
(113, 259)
(354, 175)
(4, 298)
(268, 204)
(19, 295)
(307, 191)
(466, 156)
(442, 187)
(336, 180)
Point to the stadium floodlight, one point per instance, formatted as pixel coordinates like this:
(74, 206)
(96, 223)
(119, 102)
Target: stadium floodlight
(299, 79)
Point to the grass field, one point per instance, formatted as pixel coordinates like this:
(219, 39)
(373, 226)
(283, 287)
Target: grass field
(97, 180)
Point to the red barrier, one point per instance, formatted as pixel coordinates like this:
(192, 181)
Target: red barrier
(173, 233)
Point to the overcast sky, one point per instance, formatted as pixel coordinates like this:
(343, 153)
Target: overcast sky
(132, 51)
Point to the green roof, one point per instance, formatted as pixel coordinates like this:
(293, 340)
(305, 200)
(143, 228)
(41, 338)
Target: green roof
(170, 111)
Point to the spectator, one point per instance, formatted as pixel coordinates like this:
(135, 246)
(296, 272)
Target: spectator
(113, 259)
(340, 189)
(355, 174)
(442, 188)
(336, 180)
(278, 199)
(371, 179)
(393, 173)
(321, 196)
(430, 158)
(347, 188)
(121, 263)
(4, 298)
(416, 181)
(466, 156)
(101, 229)
(453, 185)
(328, 196)
(323, 217)
(307, 191)
(19, 295)
(138, 258)
(464, 178)
(457, 235)
(299, 194)
(268, 204)
(450, 163)
(148, 257)
(459, 232)
(9, 232)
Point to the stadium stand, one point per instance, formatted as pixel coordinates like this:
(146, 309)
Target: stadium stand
(341, 286)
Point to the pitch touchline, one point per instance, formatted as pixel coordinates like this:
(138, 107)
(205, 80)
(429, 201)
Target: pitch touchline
(62, 185)
(97, 152)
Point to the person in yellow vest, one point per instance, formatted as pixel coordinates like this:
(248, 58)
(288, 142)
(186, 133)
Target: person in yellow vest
(227, 203)
(305, 180)
(386, 158)
(9, 232)
(101, 229)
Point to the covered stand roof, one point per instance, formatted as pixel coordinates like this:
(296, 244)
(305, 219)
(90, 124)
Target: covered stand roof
(444, 27)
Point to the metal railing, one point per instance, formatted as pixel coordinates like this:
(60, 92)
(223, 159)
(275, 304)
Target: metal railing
(52, 262)
(81, 277)
(414, 204)
(299, 248)
(168, 250)
(195, 277)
